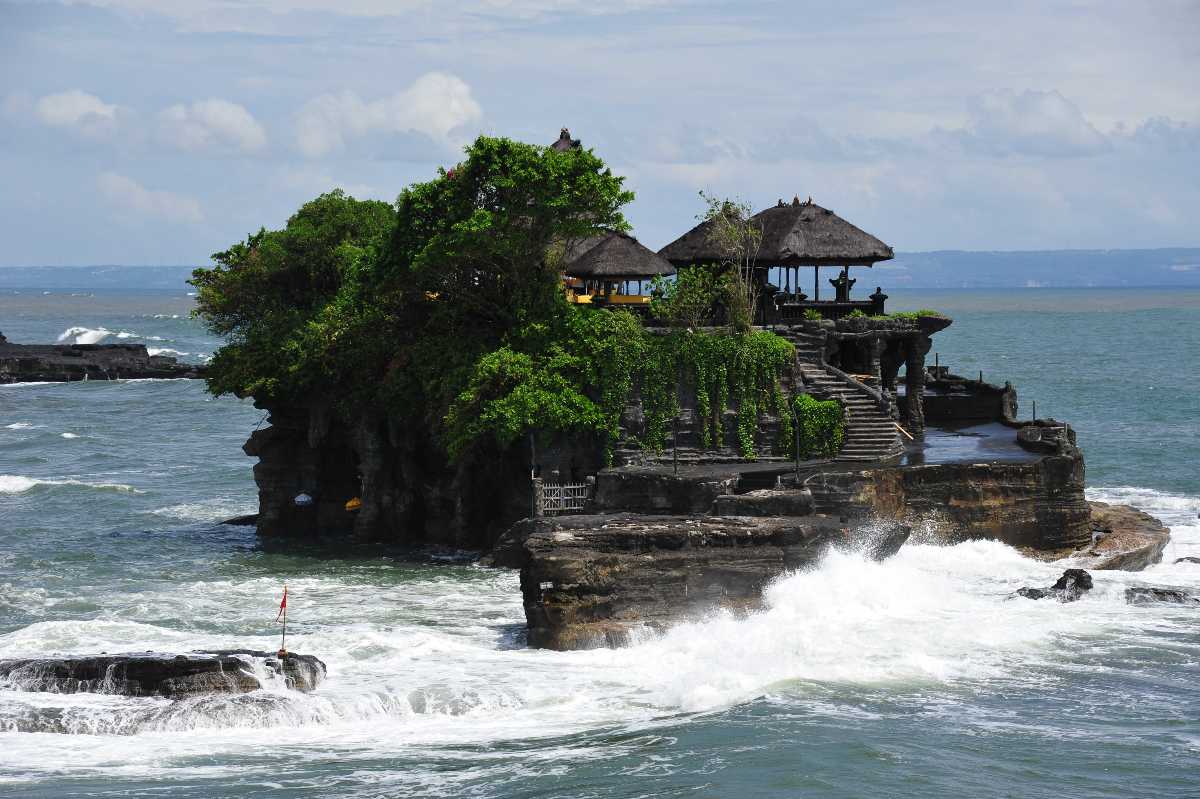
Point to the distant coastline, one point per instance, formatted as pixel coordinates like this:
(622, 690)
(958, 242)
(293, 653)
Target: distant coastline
(942, 269)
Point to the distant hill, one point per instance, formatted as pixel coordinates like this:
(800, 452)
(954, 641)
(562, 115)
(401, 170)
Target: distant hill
(1178, 266)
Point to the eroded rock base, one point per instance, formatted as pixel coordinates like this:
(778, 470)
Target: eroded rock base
(593, 581)
(229, 671)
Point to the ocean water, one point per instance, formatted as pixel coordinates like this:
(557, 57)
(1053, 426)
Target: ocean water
(916, 677)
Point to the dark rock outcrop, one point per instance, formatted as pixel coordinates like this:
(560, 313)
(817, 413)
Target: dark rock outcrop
(1149, 595)
(1038, 504)
(159, 674)
(1119, 537)
(590, 581)
(1068, 588)
(409, 493)
(1188, 559)
(765, 502)
(61, 363)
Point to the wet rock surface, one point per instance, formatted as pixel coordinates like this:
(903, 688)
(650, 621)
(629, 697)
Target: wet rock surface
(592, 581)
(1149, 595)
(228, 671)
(1122, 538)
(1068, 588)
(61, 363)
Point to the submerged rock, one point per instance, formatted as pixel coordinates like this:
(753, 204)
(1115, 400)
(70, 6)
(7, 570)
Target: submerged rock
(1149, 595)
(1188, 559)
(1068, 588)
(160, 674)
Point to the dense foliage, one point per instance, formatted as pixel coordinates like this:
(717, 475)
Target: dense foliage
(446, 310)
(577, 375)
(820, 425)
(690, 299)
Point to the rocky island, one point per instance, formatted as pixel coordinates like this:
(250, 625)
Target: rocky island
(65, 363)
(495, 364)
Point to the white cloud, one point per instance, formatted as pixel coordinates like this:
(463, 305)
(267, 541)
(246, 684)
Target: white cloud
(76, 109)
(1032, 123)
(129, 195)
(213, 123)
(435, 105)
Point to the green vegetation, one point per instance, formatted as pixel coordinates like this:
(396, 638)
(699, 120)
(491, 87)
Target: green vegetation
(737, 238)
(821, 426)
(689, 300)
(913, 315)
(445, 311)
(813, 315)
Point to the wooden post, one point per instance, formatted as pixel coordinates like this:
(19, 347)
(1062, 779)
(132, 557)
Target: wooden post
(1035, 410)
(537, 507)
(980, 375)
(816, 284)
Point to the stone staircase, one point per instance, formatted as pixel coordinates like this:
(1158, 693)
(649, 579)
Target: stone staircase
(871, 434)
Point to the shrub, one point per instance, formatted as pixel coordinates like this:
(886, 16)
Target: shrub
(820, 425)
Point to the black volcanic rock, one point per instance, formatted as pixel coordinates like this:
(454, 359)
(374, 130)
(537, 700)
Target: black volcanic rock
(1188, 559)
(1149, 595)
(62, 363)
(1068, 588)
(592, 581)
(160, 674)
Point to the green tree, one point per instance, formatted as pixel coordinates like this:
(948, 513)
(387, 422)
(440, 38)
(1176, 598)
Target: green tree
(690, 299)
(734, 234)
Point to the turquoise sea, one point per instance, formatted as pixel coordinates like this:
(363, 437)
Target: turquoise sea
(910, 678)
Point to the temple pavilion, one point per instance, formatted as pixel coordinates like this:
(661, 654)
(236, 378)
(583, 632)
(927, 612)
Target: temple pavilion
(612, 269)
(796, 235)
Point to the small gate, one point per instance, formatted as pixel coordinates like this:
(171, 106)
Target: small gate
(553, 498)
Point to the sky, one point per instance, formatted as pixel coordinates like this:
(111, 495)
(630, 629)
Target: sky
(161, 131)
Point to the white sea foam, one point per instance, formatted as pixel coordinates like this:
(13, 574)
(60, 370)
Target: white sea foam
(84, 335)
(164, 351)
(18, 484)
(206, 510)
(21, 426)
(69, 435)
(423, 666)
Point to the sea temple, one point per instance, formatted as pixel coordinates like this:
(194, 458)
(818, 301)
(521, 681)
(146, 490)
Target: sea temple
(732, 418)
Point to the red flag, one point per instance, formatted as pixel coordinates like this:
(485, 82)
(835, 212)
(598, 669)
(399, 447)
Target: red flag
(282, 605)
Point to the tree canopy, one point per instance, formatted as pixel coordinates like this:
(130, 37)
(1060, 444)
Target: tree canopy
(392, 307)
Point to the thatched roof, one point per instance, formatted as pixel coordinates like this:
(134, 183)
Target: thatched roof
(565, 142)
(619, 257)
(794, 234)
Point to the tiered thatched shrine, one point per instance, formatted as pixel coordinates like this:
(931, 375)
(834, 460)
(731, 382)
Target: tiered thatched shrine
(794, 235)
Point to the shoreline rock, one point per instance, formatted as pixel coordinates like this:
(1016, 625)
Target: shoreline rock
(1151, 595)
(70, 363)
(1127, 539)
(228, 671)
(1070, 587)
(593, 581)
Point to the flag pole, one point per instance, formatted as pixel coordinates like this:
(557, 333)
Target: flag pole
(283, 615)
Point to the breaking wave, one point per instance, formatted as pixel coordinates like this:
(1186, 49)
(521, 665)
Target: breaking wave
(18, 484)
(84, 335)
